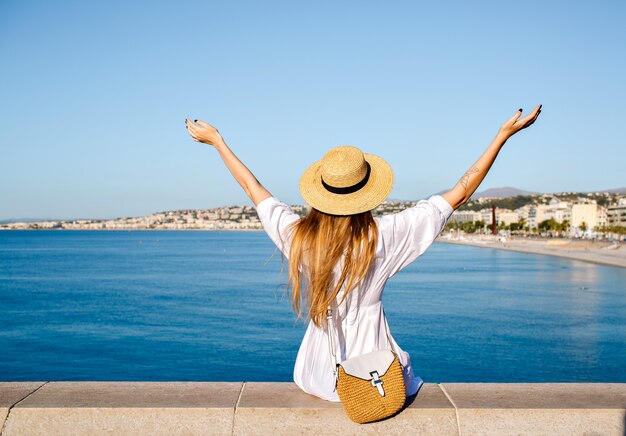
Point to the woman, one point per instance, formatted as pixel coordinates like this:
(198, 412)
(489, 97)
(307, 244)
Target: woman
(340, 256)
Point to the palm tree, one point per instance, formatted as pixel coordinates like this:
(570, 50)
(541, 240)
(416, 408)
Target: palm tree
(521, 223)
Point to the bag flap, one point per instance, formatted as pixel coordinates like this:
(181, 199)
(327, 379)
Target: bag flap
(361, 366)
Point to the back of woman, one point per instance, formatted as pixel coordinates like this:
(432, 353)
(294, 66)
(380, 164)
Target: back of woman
(340, 256)
(359, 319)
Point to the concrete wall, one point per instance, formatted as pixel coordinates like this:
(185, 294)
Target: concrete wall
(206, 408)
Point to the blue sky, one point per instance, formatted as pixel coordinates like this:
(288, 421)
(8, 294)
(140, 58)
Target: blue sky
(94, 97)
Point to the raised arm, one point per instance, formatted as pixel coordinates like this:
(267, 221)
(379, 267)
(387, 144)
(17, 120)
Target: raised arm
(207, 134)
(470, 181)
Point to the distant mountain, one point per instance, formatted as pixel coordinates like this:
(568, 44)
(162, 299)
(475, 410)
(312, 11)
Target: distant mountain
(613, 191)
(24, 220)
(30, 220)
(398, 200)
(504, 192)
(508, 191)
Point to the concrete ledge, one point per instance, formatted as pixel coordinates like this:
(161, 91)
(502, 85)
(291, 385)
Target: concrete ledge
(546, 408)
(11, 394)
(138, 408)
(79, 408)
(282, 408)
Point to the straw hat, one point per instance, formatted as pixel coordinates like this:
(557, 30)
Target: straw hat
(346, 181)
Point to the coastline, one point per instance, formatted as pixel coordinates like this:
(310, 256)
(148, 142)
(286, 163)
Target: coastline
(602, 253)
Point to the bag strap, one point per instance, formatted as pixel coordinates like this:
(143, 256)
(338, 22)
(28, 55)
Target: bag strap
(331, 345)
(331, 339)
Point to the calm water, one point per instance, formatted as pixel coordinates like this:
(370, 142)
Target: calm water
(187, 305)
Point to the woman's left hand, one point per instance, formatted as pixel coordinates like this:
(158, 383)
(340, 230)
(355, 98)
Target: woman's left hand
(203, 132)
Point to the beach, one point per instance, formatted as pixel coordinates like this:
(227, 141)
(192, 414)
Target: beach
(603, 253)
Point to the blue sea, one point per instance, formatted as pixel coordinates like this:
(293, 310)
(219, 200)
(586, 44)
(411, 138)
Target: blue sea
(211, 306)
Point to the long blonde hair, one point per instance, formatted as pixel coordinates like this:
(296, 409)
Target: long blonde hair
(318, 243)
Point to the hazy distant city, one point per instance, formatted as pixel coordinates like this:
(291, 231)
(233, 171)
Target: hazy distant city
(568, 213)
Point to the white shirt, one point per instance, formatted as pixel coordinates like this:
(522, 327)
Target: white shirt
(360, 322)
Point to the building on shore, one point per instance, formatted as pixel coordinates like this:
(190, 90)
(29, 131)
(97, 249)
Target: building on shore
(556, 209)
(586, 213)
(466, 216)
(506, 217)
(616, 213)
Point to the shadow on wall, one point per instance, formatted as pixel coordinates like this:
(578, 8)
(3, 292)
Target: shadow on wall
(407, 403)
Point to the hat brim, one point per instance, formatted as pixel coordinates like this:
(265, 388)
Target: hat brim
(371, 195)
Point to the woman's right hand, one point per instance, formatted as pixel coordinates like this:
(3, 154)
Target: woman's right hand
(203, 132)
(515, 124)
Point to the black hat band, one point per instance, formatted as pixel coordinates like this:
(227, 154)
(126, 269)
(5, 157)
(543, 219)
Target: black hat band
(348, 189)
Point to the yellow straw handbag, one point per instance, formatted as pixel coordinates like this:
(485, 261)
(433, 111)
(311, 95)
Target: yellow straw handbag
(370, 386)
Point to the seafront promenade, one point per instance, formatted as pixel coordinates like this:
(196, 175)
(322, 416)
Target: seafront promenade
(238, 408)
(603, 253)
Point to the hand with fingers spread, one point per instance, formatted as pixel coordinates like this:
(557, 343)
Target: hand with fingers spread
(515, 124)
(203, 132)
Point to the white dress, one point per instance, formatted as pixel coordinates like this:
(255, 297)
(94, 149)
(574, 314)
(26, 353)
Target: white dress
(360, 322)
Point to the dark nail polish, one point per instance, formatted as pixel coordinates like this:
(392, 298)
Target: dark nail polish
(519, 110)
(195, 121)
